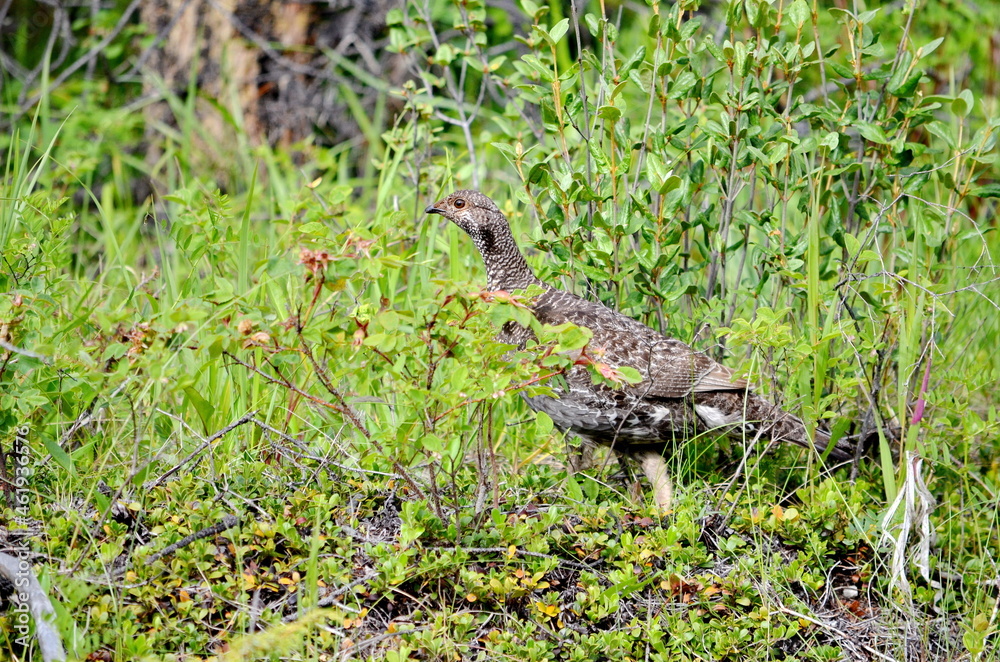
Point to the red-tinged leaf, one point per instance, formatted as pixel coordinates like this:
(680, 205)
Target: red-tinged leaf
(609, 373)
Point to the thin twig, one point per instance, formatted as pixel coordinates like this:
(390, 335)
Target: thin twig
(518, 551)
(47, 360)
(226, 523)
(315, 458)
(830, 628)
(331, 598)
(320, 372)
(31, 596)
(367, 643)
(246, 418)
(353, 418)
(509, 389)
(81, 62)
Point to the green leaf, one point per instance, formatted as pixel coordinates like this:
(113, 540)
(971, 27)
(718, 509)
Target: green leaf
(798, 13)
(506, 150)
(633, 61)
(851, 243)
(113, 351)
(571, 336)
(543, 71)
(543, 423)
(636, 78)
(924, 51)
(610, 113)
(752, 10)
(616, 91)
(58, 454)
(630, 375)
(654, 25)
(869, 255)
(475, 63)
(669, 184)
(734, 12)
(542, 33)
(985, 138)
(778, 153)
(573, 491)
(830, 140)
(657, 171)
(713, 48)
(930, 226)
(224, 292)
(943, 132)
(908, 87)
(872, 132)
(742, 59)
(444, 55)
(682, 85)
(612, 31)
(913, 183)
(690, 27)
(559, 30)
(600, 158)
(851, 167)
(757, 154)
(933, 99)
(987, 191)
(842, 71)
(497, 62)
(205, 409)
(594, 273)
(963, 103)
(866, 17)
(899, 73)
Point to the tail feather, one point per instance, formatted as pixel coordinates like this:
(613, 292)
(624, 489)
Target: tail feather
(779, 425)
(842, 451)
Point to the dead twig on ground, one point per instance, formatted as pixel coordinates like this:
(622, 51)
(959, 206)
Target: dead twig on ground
(246, 418)
(837, 631)
(226, 523)
(29, 593)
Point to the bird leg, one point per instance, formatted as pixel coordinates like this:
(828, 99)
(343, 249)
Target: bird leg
(579, 458)
(655, 468)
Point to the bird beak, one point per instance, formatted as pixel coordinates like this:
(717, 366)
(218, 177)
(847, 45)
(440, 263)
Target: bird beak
(434, 210)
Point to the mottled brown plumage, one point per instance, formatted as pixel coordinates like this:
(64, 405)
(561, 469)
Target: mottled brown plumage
(683, 392)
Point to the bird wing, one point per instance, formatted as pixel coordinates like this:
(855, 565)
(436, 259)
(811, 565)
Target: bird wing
(670, 369)
(676, 370)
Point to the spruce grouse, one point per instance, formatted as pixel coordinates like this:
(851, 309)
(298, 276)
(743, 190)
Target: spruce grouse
(683, 392)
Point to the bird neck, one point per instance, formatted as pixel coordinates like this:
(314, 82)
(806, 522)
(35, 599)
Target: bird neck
(506, 268)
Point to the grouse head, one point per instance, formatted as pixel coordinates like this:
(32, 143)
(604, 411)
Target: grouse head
(485, 223)
(477, 215)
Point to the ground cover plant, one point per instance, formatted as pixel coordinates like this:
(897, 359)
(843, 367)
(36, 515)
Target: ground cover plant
(250, 402)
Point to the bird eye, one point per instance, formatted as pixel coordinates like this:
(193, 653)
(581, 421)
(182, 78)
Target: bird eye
(459, 203)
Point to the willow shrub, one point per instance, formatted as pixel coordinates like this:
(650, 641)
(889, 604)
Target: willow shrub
(799, 181)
